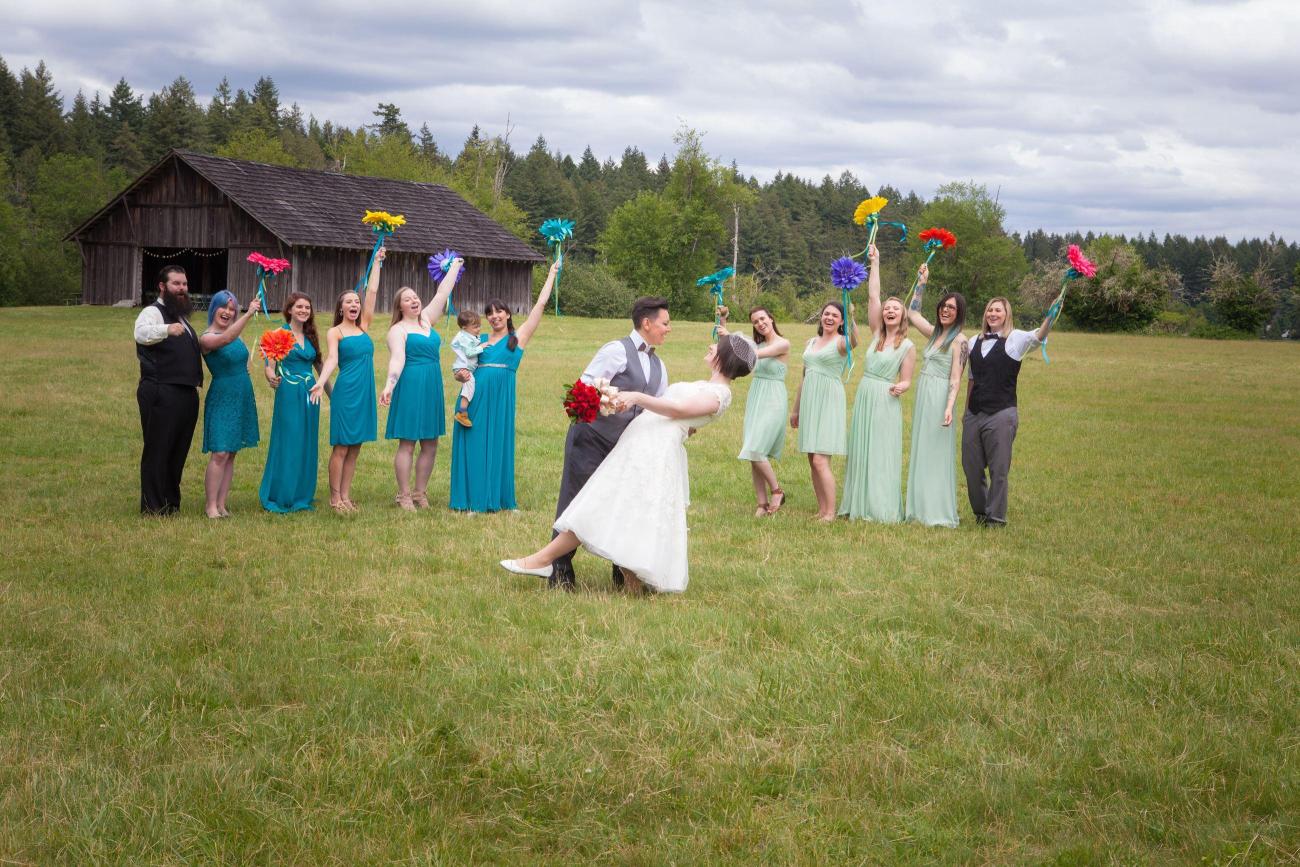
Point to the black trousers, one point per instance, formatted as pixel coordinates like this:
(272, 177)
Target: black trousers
(584, 451)
(168, 414)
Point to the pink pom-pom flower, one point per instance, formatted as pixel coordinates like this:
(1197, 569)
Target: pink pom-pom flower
(1079, 262)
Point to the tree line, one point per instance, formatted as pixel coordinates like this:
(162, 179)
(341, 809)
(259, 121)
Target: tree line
(642, 226)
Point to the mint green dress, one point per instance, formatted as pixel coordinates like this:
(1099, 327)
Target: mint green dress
(932, 472)
(766, 411)
(822, 401)
(873, 477)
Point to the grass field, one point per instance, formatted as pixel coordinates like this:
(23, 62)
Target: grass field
(1112, 679)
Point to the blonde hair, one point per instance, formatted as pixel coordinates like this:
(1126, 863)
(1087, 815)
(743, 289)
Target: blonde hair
(1007, 324)
(902, 325)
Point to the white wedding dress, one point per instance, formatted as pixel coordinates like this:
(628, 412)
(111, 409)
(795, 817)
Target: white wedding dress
(632, 510)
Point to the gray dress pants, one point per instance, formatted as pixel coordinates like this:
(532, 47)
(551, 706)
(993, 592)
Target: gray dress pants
(986, 440)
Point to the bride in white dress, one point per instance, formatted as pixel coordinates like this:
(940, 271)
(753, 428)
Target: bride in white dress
(632, 511)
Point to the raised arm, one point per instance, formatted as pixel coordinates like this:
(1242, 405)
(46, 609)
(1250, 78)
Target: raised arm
(960, 350)
(1045, 329)
(209, 341)
(774, 348)
(396, 361)
(372, 292)
(331, 362)
(433, 310)
(919, 322)
(525, 332)
(874, 319)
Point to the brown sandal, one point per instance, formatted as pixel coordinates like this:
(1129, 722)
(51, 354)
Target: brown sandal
(775, 506)
(764, 509)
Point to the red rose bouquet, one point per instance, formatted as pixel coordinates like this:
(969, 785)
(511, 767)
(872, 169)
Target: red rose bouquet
(581, 402)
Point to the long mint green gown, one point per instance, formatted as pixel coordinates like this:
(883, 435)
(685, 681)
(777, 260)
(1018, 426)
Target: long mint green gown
(353, 416)
(766, 410)
(483, 456)
(229, 410)
(932, 471)
(289, 480)
(873, 477)
(822, 401)
(417, 411)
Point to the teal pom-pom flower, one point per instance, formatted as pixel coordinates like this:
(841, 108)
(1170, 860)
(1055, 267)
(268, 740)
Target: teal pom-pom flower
(556, 231)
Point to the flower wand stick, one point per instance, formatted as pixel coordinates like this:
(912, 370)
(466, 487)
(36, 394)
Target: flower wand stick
(716, 283)
(556, 232)
(1080, 266)
(384, 225)
(935, 239)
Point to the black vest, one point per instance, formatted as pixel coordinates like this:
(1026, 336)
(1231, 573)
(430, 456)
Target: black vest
(174, 361)
(631, 378)
(993, 377)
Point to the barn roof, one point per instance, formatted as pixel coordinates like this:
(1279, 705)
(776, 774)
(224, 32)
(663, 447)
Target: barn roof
(324, 209)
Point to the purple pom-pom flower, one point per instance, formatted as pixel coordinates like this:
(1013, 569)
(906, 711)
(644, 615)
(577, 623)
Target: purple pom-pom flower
(440, 264)
(847, 273)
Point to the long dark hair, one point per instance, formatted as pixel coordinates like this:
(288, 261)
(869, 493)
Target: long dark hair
(844, 322)
(338, 307)
(758, 338)
(493, 306)
(949, 334)
(308, 327)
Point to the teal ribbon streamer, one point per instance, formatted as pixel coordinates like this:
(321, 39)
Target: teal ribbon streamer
(555, 290)
(718, 301)
(261, 290)
(1054, 311)
(933, 247)
(381, 235)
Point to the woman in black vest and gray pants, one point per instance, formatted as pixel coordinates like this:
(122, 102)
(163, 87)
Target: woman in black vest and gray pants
(989, 425)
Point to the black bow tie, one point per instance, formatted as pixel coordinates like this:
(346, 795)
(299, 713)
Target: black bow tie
(648, 350)
(992, 335)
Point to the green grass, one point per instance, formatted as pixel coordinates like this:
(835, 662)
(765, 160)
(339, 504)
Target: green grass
(1113, 679)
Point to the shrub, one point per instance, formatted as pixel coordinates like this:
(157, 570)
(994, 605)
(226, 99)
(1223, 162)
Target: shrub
(593, 291)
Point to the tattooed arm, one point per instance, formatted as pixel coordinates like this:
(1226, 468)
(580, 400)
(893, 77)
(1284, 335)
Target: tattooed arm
(960, 355)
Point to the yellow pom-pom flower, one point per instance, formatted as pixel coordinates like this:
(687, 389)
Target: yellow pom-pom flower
(867, 207)
(383, 218)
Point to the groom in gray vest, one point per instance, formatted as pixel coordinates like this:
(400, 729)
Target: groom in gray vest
(629, 364)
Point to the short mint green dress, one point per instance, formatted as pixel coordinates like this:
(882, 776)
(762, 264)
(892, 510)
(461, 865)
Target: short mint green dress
(766, 410)
(932, 471)
(354, 418)
(822, 401)
(873, 477)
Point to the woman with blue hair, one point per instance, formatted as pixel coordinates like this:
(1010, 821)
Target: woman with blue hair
(230, 412)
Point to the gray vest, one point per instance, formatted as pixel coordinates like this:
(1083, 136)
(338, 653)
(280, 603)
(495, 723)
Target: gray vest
(630, 378)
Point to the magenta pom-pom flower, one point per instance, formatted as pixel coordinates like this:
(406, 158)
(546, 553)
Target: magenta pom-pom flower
(1079, 262)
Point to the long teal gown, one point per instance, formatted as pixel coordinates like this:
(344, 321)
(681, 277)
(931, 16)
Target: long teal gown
(229, 410)
(932, 472)
(417, 411)
(821, 402)
(353, 417)
(873, 477)
(289, 480)
(483, 456)
(766, 410)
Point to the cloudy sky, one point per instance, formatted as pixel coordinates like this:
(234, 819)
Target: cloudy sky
(1164, 115)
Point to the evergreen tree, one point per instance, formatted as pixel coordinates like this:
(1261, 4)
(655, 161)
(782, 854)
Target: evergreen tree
(124, 107)
(39, 124)
(9, 100)
(83, 129)
(220, 118)
(264, 110)
(390, 122)
(174, 120)
(124, 151)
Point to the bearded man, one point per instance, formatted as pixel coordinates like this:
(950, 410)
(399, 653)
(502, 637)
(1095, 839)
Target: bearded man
(171, 373)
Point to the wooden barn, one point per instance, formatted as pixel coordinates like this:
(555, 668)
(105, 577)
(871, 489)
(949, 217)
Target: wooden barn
(208, 213)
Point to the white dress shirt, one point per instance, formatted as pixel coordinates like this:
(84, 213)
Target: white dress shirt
(611, 359)
(150, 328)
(1018, 344)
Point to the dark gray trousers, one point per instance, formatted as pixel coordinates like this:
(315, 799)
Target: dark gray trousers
(584, 450)
(986, 440)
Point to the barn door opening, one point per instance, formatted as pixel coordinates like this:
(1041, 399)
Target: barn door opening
(205, 269)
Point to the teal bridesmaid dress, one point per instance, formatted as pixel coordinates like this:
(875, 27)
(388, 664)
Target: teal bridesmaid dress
(932, 473)
(353, 417)
(483, 456)
(289, 480)
(873, 476)
(417, 411)
(229, 410)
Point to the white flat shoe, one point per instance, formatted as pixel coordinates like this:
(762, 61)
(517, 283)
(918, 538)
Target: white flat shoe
(513, 566)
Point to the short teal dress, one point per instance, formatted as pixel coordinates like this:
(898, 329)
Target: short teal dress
(353, 417)
(932, 473)
(289, 480)
(822, 401)
(229, 410)
(873, 476)
(417, 411)
(766, 410)
(483, 456)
